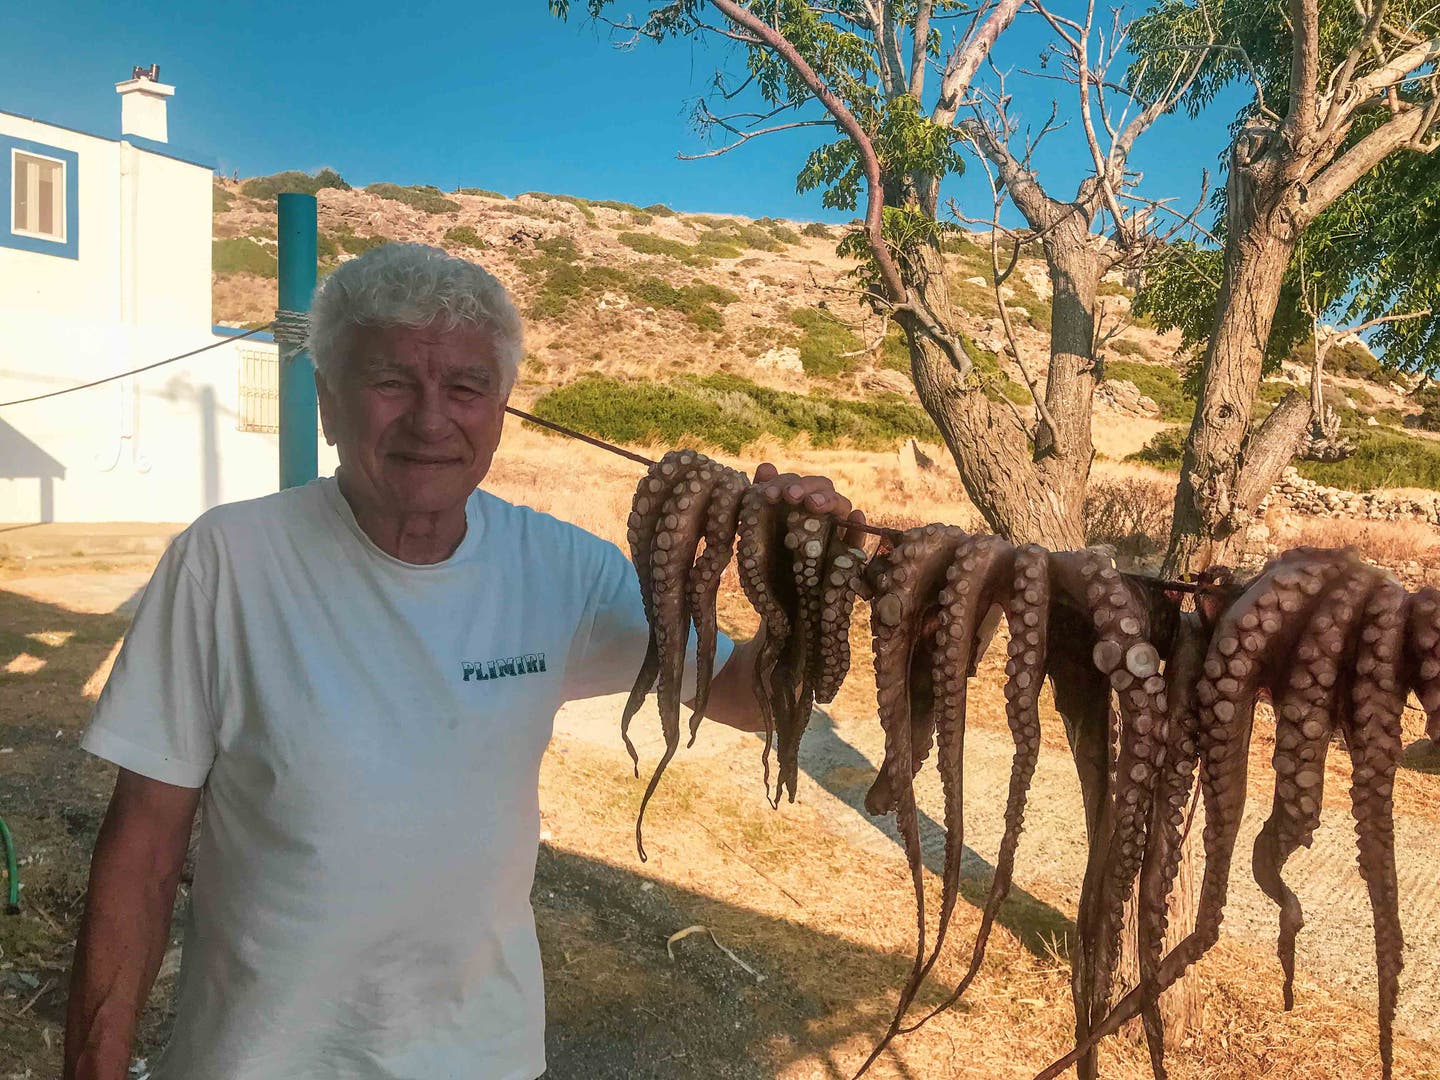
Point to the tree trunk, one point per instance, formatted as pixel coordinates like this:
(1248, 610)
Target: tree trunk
(1019, 499)
(1075, 272)
(1215, 498)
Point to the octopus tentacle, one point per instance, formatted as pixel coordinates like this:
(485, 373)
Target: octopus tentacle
(1256, 632)
(682, 521)
(1132, 664)
(842, 571)
(905, 581)
(721, 519)
(1305, 715)
(645, 511)
(981, 567)
(1027, 613)
(1373, 732)
(769, 589)
(806, 537)
(1422, 643)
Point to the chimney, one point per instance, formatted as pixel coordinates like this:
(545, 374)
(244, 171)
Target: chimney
(142, 104)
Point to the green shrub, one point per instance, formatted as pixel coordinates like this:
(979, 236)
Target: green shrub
(583, 205)
(1390, 417)
(616, 204)
(816, 229)
(267, 187)
(641, 218)
(242, 255)
(824, 341)
(743, 235)
(647, 244)
(713, 249)
(1159, 382)
(358, 245)
(781, 232)
(727, 411)
(699, 303)
(466, 236)
(220, 199)
(426, 198)
(1428, 398)
(566, 282)
(894, 352)
(1165, 450)
(1126, 347)
(482, 192)
(1113, 288)
(659, 209)
(1382, 458)
(1350, 359)
(560, 248)
(327, 249)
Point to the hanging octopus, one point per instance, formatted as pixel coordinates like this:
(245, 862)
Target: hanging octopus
(804, 601)
(1335, 645)
(1151, 698)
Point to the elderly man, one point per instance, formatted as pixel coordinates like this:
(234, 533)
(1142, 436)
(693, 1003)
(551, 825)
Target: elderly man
(313, 664)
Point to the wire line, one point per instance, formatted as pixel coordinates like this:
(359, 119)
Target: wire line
(137, 371)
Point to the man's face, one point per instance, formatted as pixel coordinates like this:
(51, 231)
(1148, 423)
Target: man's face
(415, 415)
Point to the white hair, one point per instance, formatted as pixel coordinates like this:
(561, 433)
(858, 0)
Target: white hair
(411, 285)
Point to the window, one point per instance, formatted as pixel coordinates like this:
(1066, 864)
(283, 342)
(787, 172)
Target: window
(259, 389)
(259, 371)
(39, 196)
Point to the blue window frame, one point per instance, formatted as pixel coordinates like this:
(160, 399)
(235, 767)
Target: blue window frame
(39, 198)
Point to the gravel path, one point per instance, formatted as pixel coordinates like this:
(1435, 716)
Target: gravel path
(1336, 947)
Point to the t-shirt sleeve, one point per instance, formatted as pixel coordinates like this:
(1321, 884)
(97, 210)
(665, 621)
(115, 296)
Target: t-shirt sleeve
(156, 715)
(610, 641)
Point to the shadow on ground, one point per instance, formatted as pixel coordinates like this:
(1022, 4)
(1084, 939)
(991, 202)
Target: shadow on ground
(831, 762)
(618, 1006)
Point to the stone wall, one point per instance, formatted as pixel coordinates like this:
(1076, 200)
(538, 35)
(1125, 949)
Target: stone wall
(1308, 497)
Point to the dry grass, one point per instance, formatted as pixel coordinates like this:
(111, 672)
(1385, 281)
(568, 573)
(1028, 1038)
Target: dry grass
(1387, 543)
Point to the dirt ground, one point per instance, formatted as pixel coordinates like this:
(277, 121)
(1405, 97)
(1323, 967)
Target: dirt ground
(813, 900)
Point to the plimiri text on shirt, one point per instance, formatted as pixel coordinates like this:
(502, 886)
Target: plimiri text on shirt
(482, 670)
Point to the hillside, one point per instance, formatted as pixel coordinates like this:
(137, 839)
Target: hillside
(647, 324)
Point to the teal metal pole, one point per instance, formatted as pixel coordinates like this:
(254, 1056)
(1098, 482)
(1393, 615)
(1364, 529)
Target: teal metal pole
(299, 443)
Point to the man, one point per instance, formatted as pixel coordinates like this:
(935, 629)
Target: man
(358, 677)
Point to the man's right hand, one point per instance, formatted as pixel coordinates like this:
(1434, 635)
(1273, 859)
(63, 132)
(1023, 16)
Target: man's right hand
(134, 872)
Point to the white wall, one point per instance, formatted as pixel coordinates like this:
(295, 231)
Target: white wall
(159, 446)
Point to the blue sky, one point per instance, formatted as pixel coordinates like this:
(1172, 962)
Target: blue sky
(485, 94)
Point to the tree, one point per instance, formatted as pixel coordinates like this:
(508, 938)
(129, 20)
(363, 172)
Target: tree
(1344, 101)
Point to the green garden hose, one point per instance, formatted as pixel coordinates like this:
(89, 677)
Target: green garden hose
(12, 868)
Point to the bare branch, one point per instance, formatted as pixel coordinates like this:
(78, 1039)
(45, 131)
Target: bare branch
(966, 58)
(746, 136)
(998, 278)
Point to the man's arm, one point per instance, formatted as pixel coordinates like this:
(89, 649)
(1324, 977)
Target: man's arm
(134, 872)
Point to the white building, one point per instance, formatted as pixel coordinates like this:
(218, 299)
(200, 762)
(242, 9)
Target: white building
(105, 248)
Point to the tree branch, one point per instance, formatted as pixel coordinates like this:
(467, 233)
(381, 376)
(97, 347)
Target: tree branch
(746, 136)
(874, 209)
(1304, 69)
(966, 58)
(1409, 128)
(920, 40)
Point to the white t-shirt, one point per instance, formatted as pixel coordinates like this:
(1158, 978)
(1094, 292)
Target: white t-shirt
(368, 733)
